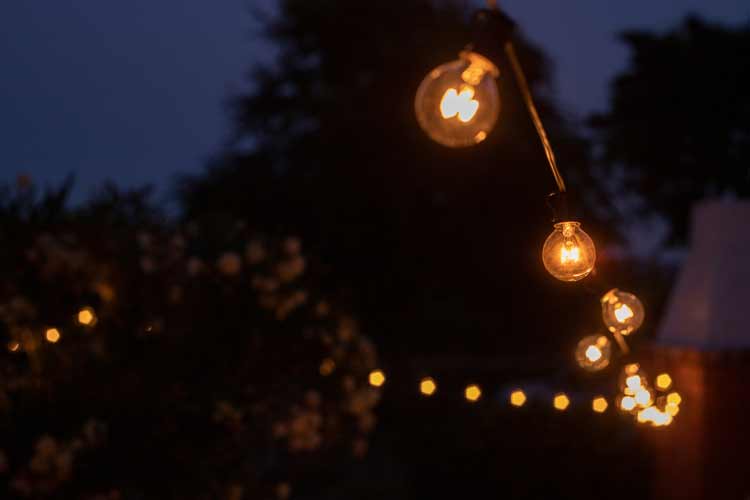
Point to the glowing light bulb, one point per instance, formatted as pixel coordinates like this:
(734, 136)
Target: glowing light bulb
(472, 393)
(561, 402)
(517, 398)
(599, 404)
(86, 317)
(376, 378)
(628, 403)
(458, 103)
(569, 254)
(622, 312)
(663, 382)
(593, 353)
(427, 386)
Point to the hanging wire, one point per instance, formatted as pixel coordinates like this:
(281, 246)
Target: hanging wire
(529, 100)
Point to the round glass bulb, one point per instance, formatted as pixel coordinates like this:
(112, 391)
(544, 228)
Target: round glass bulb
(622, 312)
(594, 352)
(569, 254)
(458, 103)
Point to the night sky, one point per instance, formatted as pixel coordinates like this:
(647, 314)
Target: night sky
(133, 91)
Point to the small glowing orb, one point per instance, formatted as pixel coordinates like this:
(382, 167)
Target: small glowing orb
(599, 404)
(427, 386)
(52, 335)
(643, 397)
(561, 402)
(377, 378)
(327, 367)
(623, 313)
(674, 398)
(461, 104)
(14, 346)
(633, 382)
(593, 353)
(472, 393)
(518, 398)
(632, 368)
(86, 317)
(663, 382)
(672, 409)
(628, 403)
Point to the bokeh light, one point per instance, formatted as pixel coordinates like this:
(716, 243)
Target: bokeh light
(472, 393)
(517, 398)
(52, 335)
(427, 386)
(86, 317)
(663, 382)
(376, 378)
(599, 404)
(561, 402)
(327, 366)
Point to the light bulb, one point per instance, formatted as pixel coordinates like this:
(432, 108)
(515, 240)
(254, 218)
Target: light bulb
(622, 312)
(569, 254)
(593, 353)
(458, 103)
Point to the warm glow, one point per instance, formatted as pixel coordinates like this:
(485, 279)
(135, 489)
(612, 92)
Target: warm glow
(674, 398)
(663, 382)
(86, 317)
(561, 402)
(627, 403)
(427, 386)
(517, 398)
(569, 253)
(377, 378)
(593, 353)
(13, 346)
(599, 405)
(461, 104)
(327, 367)
(672, 409)
(473, 393)
(643, 397)
(52, 335)
(633, 383)
(656, 417)
(623, 313)
(632, 369)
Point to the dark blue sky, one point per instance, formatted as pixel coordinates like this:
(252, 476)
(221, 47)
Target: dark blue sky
(132, 91)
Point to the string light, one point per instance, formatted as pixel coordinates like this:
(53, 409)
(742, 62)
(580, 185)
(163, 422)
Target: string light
(472, 393)
(14, 346)
(457, 104)
(561, 402)
(52, 335)
(86, 317)
(327, 366)
(628, 403)
(569, 253)
(663, 382)
(517, 398)
(376, 378)
(622, 312)
(599, 404)
(427, 386)
(674, 398)
(593, 353)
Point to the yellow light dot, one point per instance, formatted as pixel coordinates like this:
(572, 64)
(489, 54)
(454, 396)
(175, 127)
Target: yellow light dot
(518, 398)
(674, 398)
(327, 367)
(593, 353)
(663, 382)
(472, 393)
(377, 378)
(52, 335)
(427, 386)
(632, 369)
(672, 409)
(628, 403)
(561, 402)
(13, 346)
(86, 317)
(599, 405)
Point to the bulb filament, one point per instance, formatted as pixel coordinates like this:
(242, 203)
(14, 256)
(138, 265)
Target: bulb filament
(461, 104)
(623, 313)
(570, 255)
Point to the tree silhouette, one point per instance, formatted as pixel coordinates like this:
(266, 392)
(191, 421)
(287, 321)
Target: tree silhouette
(679, 118)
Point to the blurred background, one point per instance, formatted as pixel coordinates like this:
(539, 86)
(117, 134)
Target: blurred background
(230, 218)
